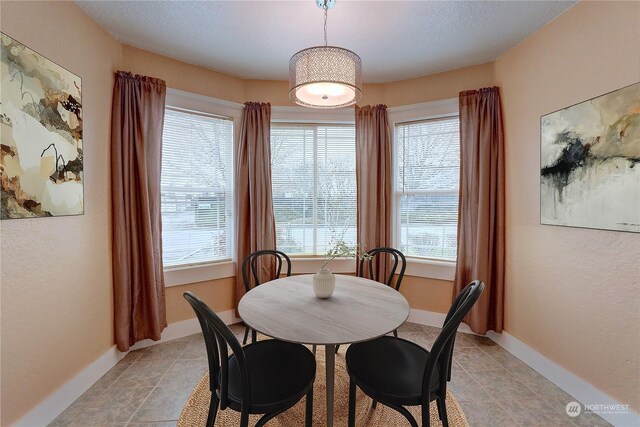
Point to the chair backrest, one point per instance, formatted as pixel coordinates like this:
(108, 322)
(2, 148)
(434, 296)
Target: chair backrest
(396, 255)
(441, 354)
(217, 336)
(250, 266)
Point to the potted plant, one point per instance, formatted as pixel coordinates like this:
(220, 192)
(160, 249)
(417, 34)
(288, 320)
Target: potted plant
(324, 282)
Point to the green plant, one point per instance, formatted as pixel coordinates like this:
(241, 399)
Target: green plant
(341, 249)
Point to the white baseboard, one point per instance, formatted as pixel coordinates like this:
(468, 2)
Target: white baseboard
(47, 410)
(184, 328)
(583, 391)
(431, 318)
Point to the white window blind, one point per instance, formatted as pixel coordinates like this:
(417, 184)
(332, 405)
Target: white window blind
(426, 187)
(196, 186)
(314, 186)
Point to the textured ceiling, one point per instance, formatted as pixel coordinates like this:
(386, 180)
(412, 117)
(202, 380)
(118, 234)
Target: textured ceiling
(395, 39)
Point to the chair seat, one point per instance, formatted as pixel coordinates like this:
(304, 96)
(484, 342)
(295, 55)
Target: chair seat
(390, 370)
(279, 373)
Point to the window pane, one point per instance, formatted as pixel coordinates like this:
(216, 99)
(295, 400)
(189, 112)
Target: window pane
(429, 225)
(428, 155)
(426, 186)
(196, 186)
(313, 182)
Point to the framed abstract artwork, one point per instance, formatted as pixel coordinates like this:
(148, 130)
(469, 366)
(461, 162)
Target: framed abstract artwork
(41, 146)
(590, 163)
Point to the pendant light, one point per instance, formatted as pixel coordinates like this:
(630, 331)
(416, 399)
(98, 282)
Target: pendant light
(325, 76)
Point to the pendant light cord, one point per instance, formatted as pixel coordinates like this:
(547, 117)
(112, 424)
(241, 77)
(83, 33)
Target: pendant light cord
(325, 7)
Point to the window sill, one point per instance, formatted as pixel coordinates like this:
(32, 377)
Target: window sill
(177, 276)
(426, 268)
(310, 265)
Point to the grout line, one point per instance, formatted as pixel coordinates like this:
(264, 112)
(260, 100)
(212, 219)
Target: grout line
(153, 389)
(495, 400)
(88, 404)
(526, 384)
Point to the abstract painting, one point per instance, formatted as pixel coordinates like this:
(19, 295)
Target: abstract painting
(590, 163)
(41, 149)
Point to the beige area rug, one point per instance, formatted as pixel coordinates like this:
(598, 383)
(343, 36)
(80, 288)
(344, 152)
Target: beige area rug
(196, 409)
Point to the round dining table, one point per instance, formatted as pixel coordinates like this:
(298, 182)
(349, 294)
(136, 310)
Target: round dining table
(359, 310)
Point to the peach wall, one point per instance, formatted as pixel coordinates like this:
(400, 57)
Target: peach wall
(572, 294)
(196, 79)
(183, 76)
(218, 294)
(56, 289)
(427, 294)
(438, 86)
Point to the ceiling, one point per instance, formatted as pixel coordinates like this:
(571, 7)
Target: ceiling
(395, 39)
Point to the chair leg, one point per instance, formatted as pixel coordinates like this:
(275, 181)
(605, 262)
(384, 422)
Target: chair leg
(442, 411)
(268, 417)
(426, 416)
(405, 413)
(308, 421)
(352, 403)
(395, 333)
(246, 335)
(313, 347)
(374, 403)
(254, 336)
(244, 418)
(213, 410)
(337, 348)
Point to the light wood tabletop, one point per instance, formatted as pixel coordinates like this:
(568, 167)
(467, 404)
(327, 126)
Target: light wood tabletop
(359, 310)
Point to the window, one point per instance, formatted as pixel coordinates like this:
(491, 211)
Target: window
(314, 186)
(427, 170)
(196, 186)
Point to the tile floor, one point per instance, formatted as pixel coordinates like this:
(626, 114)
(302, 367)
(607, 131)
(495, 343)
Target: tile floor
(150, 386)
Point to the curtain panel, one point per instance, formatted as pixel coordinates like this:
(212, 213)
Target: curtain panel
(481, 218)
(255, 225)
(373, 181)
(136, 156)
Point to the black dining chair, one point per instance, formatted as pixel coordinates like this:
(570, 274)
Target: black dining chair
(369, 272)
(250, 274)
(418, 376)
(266, 377)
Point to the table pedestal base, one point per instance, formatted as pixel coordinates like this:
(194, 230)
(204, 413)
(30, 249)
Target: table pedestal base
(330, 361)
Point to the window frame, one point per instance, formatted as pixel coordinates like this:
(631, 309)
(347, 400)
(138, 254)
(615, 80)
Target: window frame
(200, 104)
(418, 266)
(309, 256)
(308, 264)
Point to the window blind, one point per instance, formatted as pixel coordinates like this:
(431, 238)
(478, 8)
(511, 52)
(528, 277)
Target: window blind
(314, 186)
(427, 173)
(196, 188)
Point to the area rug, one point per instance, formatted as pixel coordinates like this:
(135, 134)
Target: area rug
(196, 409)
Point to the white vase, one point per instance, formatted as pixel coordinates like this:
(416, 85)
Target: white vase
(324, 283)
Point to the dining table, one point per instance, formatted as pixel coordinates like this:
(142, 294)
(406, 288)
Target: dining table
(358, 310)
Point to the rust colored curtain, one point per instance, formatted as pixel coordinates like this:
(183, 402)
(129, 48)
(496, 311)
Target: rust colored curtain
(481, 239)
(256, 226)
(373, 181)
(136, 150)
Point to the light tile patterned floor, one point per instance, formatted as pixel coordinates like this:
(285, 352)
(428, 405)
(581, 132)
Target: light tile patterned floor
(149, 387)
